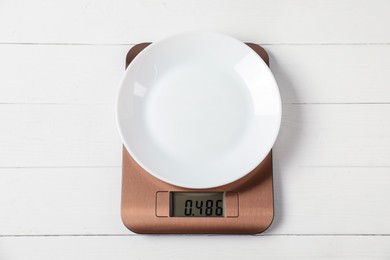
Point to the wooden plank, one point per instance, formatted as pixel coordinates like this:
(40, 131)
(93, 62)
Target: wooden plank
(195, 247)
(285, 21)
(327, 200)
(60, 201)
(86, 201)
(91, 74)
(59, 135)
(332, 73)
(60, 73)
(334, 135)
(86, 135)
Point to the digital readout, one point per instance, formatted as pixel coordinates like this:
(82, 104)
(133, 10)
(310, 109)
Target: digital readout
(197, 204)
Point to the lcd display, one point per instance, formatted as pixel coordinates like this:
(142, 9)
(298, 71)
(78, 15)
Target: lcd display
(197, 204)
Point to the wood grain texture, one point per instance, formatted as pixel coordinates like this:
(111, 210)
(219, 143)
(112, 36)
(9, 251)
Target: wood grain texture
(58, 135)
(86, 201)
(60, 65)
(60, 73)
(124, 21)
(305, 74)
(60, 201)
(195, 247)
(334, 135)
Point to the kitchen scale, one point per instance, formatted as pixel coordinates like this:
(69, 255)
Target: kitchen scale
(182, 197)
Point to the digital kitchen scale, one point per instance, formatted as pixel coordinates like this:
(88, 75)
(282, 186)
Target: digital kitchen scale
(168, 204)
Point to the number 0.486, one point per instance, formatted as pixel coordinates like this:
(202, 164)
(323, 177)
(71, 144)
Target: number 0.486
(203, 208)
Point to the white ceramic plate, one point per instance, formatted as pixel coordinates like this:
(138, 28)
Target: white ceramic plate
(198, 109)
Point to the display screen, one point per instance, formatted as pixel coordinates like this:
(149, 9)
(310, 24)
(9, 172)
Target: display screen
(197, 204)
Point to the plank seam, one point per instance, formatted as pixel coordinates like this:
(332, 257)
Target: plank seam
(131, 44)
(293, 103)
(264, 235)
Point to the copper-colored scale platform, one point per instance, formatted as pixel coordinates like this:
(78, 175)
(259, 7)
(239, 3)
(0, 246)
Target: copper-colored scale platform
(249, 205)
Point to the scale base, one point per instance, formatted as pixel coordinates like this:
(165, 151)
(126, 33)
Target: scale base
(145, 199)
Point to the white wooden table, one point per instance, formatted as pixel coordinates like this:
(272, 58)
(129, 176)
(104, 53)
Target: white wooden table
(60, 154)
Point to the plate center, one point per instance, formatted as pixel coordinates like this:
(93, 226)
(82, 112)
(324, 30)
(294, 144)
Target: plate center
(196, 112)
